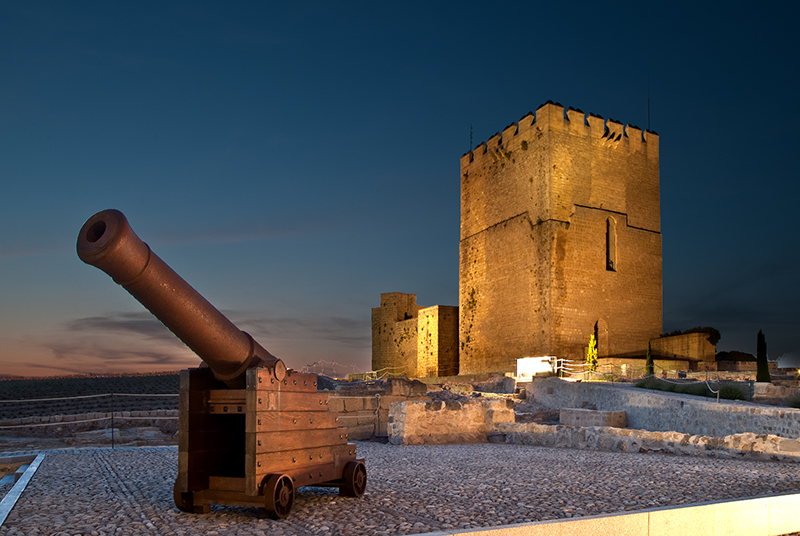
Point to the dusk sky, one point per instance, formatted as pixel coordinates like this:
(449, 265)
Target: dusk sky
(294, 160)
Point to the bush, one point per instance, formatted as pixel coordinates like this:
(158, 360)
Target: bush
(696, 389)
(726, 391)
(731, 392)
(648, 382)
(794, 402)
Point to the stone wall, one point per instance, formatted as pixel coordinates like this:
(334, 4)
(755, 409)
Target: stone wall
(746, 445)
(439, 422)
(591, 417)
(413, 341)
(364, 410)
(635, 367)
(560, 239)
(437, 344)
(768, 393)
(659, 411)
(688, 346)
(394, 334)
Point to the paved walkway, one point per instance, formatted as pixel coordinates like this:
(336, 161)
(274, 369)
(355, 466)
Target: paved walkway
(411, 490)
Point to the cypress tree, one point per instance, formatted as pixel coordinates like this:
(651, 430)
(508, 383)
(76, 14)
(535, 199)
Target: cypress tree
(762, 370)
(649, 365)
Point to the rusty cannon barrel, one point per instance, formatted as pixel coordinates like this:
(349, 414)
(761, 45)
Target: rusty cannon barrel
(107, 242)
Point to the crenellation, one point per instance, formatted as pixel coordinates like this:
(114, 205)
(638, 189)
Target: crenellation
(509, 132)
(597, 126)
(615, 128)
(633, 133)
(526, 121)
(494, 142)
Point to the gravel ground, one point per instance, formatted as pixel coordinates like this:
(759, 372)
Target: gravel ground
(411, 490)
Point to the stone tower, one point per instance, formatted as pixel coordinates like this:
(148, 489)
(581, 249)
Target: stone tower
(560, 239)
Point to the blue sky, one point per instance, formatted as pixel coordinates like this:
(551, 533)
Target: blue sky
(294, 160)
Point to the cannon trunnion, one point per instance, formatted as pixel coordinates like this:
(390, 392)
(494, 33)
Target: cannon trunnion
(250, 432)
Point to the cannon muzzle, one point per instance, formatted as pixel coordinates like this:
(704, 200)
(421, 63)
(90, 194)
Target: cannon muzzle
(107, 242)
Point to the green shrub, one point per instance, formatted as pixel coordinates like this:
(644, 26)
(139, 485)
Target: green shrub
(696, 389)
(648, 382)
(794, 402)
(731, 392)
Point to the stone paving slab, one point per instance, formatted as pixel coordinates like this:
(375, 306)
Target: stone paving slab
(411, 489)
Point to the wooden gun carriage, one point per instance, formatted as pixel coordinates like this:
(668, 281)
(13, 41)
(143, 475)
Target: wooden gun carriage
(250, 431)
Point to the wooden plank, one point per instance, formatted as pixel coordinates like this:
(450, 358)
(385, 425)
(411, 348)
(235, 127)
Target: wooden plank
(191, 481)
(232, 498)
(226, 396)
(260, 379)
(274, 421)
(196, 379)
(283, 462)
(202, 421)
(192, 400)
(292, 440)
(226, 483)
(280, 401)
(317, 474)
(220, 439)
(260, 465)
(211, 462)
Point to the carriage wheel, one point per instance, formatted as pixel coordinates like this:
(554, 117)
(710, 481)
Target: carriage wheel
(355, 480)
(184, 500)
(279, 495)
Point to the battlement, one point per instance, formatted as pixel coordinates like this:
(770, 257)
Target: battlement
(551, 116)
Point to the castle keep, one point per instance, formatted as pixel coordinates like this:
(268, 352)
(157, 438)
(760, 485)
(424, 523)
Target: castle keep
(560, 240)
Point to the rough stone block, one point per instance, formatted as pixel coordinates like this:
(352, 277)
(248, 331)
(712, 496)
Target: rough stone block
(353, 403)
(335, 403)
(588, 417)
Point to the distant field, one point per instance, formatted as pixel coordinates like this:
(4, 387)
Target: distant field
(28, 389)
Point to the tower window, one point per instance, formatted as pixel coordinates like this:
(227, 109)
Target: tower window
(611, 245)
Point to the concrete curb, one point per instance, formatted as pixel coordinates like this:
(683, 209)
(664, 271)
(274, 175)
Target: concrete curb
(773, 515)
(12, 496)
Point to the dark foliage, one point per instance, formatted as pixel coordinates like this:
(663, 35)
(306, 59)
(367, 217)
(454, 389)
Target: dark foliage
(733, 355)
(49, 388)
(649, 365)
(762, 372)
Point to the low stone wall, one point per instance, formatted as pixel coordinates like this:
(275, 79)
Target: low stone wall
(590, 417)
(768, 393)
(436, 423)
(748, 445)
(364, 411)
(632, 367)
(361, 415)
(659, 411)
(165, 420)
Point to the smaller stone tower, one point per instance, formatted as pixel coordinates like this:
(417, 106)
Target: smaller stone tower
(414, 341)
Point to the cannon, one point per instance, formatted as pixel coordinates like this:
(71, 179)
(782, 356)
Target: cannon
(250, 431)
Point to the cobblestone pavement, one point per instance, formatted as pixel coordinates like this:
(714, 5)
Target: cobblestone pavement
(411, 490)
